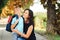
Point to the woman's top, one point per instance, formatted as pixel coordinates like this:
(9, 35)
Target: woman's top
(26, 26)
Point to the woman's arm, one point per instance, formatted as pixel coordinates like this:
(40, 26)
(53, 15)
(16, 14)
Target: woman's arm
(27, 35)
(13, 25)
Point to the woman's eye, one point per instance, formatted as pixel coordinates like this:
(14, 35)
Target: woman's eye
(25, 13)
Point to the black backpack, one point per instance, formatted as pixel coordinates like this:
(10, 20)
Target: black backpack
(8, 26)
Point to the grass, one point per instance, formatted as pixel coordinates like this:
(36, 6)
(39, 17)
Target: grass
(53, 37)
(40, 21)
(41, 32)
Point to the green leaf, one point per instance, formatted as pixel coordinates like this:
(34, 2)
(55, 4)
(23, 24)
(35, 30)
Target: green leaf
(42, 1)
(54, 1)
(2, 4)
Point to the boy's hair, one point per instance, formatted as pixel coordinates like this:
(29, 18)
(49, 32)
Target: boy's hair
(17, 3)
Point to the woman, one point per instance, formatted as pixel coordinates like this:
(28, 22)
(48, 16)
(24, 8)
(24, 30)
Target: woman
(28, 26)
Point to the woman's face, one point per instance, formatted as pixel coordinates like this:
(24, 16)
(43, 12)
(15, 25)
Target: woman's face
(26, 14)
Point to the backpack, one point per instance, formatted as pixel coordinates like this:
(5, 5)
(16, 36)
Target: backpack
(8, 26)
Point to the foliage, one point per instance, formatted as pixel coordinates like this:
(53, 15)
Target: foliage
(53, 37)
(40, 21)
(23, 3)
(53, 8)
(2, 4)
(44, 2)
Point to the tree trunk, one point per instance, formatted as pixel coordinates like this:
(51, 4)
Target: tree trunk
(51, 17)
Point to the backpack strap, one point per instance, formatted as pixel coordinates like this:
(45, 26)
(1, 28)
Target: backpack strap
(9, 19)
(23, 18)
(15, 16)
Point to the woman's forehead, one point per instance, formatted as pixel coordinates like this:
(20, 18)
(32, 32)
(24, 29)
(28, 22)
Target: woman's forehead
(26, 11)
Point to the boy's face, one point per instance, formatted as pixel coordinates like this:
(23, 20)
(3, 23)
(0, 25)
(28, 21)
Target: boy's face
(17, 11)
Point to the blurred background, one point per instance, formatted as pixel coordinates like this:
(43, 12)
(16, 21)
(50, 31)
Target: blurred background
(46, 15)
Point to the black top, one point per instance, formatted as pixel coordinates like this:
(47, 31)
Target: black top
(26, 26)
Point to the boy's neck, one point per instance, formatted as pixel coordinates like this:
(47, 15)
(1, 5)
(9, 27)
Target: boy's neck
(19, 16)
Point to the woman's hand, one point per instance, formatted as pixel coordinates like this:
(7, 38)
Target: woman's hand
(13, 25)
(14, 30)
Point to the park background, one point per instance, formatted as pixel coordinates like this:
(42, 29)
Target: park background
(46, 15)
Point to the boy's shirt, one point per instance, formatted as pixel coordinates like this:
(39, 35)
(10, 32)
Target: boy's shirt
(20, 25)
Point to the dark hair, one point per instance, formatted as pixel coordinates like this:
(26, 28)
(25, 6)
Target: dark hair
(31, 16)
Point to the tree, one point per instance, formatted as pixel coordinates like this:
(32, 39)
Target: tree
(2, 4)
(10, 5)
(23, 3)
(58, 18)
(51, 15)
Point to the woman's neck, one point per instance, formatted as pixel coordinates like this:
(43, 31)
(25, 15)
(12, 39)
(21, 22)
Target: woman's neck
(26, 20)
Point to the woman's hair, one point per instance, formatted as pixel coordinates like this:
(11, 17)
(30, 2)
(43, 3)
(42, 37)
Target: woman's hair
(31, 16)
